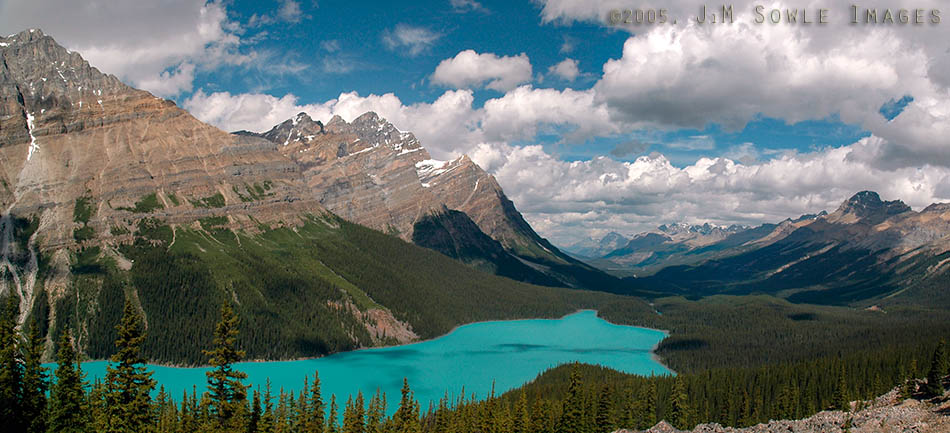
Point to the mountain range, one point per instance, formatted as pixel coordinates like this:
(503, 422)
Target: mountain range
(109, 192)
(330, 237)
(867, 251)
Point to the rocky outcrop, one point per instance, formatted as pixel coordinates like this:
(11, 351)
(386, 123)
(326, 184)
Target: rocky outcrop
(369, 172)
(886, 414)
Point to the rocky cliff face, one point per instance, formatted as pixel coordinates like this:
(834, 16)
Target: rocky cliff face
(68, 131)
(369, 172)
(84, 158)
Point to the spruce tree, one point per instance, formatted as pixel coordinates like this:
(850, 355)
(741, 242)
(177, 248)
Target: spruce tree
(67, 403)
(333, 426)
(375, 413)
(522, 417)
(314, 418)
(254, 419)
(354, 415)
(572, 409)
(938, 370)
(128, 382)
(406, 419)
(227, 392)
(679, 405)
(11, 367)
(841, 399)
(166, 413)
(267, 423)
(97, 408)
(35, 382)
(604, 420)
(648, 399)
(441, 415)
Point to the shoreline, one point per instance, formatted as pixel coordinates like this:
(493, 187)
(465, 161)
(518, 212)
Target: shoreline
(653, 356)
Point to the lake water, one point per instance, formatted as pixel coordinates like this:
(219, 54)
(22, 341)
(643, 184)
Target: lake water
(507, 352)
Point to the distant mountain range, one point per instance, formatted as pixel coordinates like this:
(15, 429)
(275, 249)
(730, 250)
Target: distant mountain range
(866, 251)
(109, 192)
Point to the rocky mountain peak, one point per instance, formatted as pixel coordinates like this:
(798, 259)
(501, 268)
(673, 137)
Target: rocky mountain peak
(703, 229)
(368, 118)
(298, 128)
(371, 131)
(335, 122)
(612, 238)
(868, 206)
(46, 89)
(937, 208)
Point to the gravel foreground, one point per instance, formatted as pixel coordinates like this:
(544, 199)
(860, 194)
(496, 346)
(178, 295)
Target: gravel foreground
(886, 414)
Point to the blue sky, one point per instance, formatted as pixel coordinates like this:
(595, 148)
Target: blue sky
(337, 46)
(589, 128)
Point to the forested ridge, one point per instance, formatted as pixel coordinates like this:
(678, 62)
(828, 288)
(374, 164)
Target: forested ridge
(299, 290)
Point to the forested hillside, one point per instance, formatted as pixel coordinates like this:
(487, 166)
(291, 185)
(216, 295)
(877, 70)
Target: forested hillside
(570, 398)
(325, 286)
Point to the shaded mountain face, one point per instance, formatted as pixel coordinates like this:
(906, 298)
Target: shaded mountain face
(109, 193)
(370, 173)
(867, 251)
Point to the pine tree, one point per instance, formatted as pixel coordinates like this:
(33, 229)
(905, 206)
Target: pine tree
(405, 419)
(11, 368)
(604, 420)
(267, 423)
(522, 417)
(539, 415)
(441, 423)
(376, 412)
(303, 406)
(128, 381)
(841, 399)
(254, 419)
(313, 419)
(188, 421)
(97, 408)
(648, 408)
(166, 413)
(572, 409)
(333, 426)
(226, 390)
(938, 370)
(35, 382)
(67, 404)
(679, 405)
(354, 416)
(280, 414)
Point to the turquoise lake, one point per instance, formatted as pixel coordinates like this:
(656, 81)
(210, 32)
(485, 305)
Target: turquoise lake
(472, 356)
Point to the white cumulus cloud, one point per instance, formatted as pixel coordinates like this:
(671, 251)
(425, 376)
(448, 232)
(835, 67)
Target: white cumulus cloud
(469, 69)
(567, 70)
